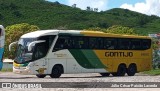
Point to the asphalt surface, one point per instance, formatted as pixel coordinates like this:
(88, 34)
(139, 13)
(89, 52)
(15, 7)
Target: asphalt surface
(87, 81)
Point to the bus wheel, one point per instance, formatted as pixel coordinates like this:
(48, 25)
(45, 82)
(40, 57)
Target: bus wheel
(105, 74)
(56, 71)
(114, 74)
(40, 75)
(121, 71)
(132, 69)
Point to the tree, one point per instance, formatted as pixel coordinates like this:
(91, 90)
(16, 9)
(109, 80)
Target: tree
(13, 33)
(120, 30)
(56, 2)
(95, 9)
(103, 25)
(116, 29)
(95, 29)
(17, 14)
(74, 5)
(156, 56)
(88, 8)
(1, 17)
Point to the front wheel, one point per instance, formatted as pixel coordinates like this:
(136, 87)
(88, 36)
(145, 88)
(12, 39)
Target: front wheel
(40, 75)
(56, 72)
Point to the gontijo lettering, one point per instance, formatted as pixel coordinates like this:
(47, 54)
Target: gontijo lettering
(119, 54)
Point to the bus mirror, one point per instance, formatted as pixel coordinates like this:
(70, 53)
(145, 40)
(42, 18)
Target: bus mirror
(13, 43)
(33, 43)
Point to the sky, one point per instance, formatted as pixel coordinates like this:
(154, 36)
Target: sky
(149, 7)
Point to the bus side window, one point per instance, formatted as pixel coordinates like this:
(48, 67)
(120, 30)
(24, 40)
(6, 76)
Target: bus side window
(135, 44)
(109, 43)
(40, 51)
(80, 42)
(71, 42)
(62, 43)
(100, 43)
(59, 44)
(124, 44)
(93, 43)
(146, 44)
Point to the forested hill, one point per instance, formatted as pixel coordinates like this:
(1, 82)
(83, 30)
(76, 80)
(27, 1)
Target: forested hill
(49, 15)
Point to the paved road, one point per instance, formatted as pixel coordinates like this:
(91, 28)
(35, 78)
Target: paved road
(89, 77)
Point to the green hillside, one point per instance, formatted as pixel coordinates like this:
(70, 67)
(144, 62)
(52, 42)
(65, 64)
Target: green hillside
(48, 15)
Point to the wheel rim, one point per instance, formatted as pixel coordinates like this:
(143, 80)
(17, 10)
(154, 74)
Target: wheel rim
(132, 69)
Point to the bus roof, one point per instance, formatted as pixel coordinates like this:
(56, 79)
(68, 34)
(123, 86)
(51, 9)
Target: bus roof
(36, 34)
(102, 34)
(39, 33)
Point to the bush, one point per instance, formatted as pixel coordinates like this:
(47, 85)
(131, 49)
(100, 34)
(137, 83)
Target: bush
(116, 29)
(13, 34)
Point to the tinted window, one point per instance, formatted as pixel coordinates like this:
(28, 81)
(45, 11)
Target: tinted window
(80, 42)
(100, 43)
(110, 43)
(93, 43)
(62, 43)
(41, 49)
(146, 44)
(124, 44)
(106, 43)
(136, 44)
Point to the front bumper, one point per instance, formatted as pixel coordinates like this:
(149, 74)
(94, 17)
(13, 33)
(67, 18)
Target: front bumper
(22, 70)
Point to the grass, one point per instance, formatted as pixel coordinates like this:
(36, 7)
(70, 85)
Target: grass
(7, 70)
(152, 72)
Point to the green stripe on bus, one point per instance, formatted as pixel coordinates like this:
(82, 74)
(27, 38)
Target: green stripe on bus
(93, 59)
(81, 58)
(23, 65)
(87, 58)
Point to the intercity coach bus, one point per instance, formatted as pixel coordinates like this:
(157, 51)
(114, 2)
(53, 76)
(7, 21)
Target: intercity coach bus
(56, 52)
(2, 39)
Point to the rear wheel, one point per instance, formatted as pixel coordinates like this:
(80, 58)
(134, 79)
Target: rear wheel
(121, 71)
(41, 75)
(56, 71)
(105, 74)
(132, 69)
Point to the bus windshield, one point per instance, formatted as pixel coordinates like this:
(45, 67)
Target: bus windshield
(23, 55)
(38, 51)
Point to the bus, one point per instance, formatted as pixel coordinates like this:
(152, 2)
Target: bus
(56, 52)
(2, 39)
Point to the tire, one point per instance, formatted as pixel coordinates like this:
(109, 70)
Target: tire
(132, 69)
(40, 75)
(56, 71)
(121, 71)
(114, 74)
(105, 74)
